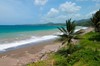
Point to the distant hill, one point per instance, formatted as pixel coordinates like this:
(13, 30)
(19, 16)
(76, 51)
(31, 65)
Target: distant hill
(52, 23)
(84, 22)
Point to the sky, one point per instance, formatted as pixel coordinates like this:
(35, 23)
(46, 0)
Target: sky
(14, 12)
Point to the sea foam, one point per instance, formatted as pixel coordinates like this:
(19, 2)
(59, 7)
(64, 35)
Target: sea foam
(32, 40)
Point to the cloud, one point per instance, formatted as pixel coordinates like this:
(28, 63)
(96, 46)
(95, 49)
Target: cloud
(69, 7)
(64, 11)
(53, 12)
(61, 18)
(40, 2)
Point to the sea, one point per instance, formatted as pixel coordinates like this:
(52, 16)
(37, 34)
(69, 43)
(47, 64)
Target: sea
(12, 36)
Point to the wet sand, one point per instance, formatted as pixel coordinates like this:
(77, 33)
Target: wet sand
(27, 54)
(31, 53)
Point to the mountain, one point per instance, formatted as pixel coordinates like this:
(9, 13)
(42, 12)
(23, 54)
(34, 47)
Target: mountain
(84, 22)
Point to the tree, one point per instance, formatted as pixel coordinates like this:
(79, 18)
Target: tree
(96, 21)
(68, 32)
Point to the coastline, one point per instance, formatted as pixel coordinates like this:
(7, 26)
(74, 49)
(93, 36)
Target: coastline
(34, 38)
(35, 46)
(28, 54)
(31, 53)
(40, 36)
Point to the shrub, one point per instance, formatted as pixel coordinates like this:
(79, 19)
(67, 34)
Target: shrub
(87, 56)
(60, 60)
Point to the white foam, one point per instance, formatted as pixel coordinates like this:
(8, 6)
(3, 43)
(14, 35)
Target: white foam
(33, 39)
(80, 29)
(25, 42)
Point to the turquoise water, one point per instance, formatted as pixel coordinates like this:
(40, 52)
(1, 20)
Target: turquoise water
(10, 29)
(19, 35)
(10, 33)
(23, 28)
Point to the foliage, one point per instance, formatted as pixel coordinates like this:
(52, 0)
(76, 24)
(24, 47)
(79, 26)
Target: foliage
(60, 60)
(95, 37)
(68, 31)
(86, 23)
(96, 21)
(86, 56)
(86, 53)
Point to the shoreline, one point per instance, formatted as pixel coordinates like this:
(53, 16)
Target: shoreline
(31, 53)
(37, 46)
(28, 54)
(35, 38)
(28, 45)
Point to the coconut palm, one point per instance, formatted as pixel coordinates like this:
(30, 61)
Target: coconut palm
(68, 31)
(96, 21)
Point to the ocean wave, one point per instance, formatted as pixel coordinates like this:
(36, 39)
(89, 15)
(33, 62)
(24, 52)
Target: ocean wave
(32, 40)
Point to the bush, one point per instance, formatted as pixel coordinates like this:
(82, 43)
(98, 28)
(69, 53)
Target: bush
(60, 61)
(86, 56)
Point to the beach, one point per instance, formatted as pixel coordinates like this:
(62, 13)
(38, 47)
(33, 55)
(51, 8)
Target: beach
(49, 32)
(32, 52)
(28, 54)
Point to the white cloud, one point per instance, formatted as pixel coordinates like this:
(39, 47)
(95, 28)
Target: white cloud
(64, 11)
(40, 2)
(53, 12)
(69, 7)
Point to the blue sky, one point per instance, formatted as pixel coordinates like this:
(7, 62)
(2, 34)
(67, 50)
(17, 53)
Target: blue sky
(43, 11)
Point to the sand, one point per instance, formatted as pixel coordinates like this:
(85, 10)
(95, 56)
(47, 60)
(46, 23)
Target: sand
(29, 54)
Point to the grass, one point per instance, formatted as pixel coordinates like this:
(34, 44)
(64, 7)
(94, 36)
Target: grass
(86, 53)
(90, 40)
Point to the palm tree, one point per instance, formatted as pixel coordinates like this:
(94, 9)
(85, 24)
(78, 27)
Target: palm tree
(68, 32)
(96, 21)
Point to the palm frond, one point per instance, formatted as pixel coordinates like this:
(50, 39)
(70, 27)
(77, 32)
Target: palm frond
(68, 31)
(65, 31)
(60, 29)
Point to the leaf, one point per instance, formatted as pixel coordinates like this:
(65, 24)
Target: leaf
(60, 29)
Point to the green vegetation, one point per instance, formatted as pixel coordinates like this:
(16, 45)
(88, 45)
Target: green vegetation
(68, 34)
(85, 53)
(84, 22)
(96, 21)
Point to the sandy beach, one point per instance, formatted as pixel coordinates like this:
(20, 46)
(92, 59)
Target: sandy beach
(32, 53)
(28, 54)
